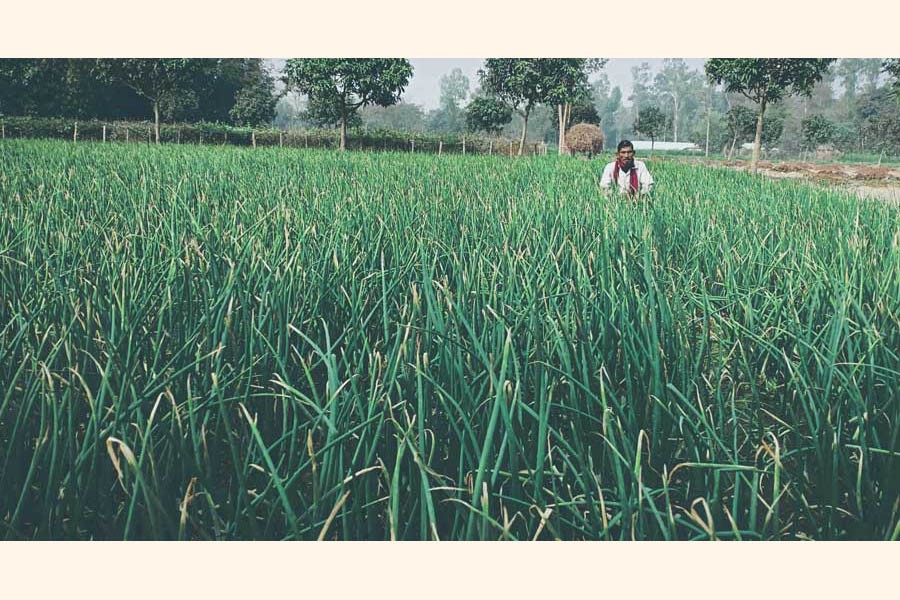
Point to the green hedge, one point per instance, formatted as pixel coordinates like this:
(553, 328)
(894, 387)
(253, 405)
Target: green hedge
(215, 133)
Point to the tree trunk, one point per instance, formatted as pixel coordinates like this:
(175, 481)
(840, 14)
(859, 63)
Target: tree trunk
(524, 132)
(674, 117)
(563, 111)
(757, 143)
(707, 128)
(731, 151)
(156, 119)
(343, 145)
(652, 142)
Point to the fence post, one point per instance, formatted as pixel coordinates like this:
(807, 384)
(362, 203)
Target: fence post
(510, 148)
(305, 140)
(75, 132)
(2, 130)
(491, 148)
(126, 133)
(104, 134)
(226, 139)
(412, 145)
(281, 139)
(148, 136)
(440, 148)
(178, 135)
(464, 145)
(253, 138)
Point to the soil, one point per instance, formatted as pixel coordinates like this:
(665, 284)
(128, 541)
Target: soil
(867, 181)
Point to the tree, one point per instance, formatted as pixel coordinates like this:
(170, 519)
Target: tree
(567, 85)
(402, 116)
(650, 122)
(891, 66)
(449, 116)
(254, 103)
(523, 83)
(765, 81)
(741, 124)
(608, 102)
(680, 83)
(582, 111)
(339, 87)
(486, 113)
(165, 82)
(817, 130)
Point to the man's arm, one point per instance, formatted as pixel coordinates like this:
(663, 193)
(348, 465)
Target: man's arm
(644, 179)
(606, 179)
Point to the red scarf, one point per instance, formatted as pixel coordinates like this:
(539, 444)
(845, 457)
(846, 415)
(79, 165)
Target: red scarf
(635, 186)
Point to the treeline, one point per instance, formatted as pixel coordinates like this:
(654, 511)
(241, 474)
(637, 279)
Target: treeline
(850, 105)
(239, 92)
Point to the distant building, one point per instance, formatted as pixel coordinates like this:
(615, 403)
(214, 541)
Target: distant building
(645, 145)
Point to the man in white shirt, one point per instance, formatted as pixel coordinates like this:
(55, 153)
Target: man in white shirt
(631, 176)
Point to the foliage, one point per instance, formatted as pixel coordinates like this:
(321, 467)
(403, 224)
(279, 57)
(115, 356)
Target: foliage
(158, 80)
(375, 137)
(650, 122)
(343, 85)
(254, 103)
(583, 111)
(450, 116)
(891, 66)
(488, 114)
(817, 130)
(398, 117)
(767, 80)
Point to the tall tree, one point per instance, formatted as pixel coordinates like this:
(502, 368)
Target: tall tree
(765, 81)
(650, 122)
(520, 83)
(682, 85)
(449, 116)
(161, 81)
(344, 85)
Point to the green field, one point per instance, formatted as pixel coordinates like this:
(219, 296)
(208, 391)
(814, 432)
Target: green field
(226, 343)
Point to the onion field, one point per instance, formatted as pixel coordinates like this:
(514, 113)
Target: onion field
(222, 343)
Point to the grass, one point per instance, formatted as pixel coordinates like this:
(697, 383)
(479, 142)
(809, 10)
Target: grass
(222, 343)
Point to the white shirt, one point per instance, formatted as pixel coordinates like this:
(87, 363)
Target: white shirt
(644, 180)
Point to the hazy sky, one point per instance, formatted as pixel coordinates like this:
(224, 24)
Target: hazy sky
(425, 86)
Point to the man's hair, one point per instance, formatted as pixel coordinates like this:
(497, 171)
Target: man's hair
(624, 144)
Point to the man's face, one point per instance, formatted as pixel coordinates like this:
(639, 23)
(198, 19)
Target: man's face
(626, 156)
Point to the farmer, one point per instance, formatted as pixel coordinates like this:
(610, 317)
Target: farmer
(631, 176)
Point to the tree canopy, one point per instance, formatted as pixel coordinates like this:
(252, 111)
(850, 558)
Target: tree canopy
(341, 86)
(650, 122)
(488, 114)
(766, 81)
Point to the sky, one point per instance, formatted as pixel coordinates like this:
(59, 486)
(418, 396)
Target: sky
(424, 88)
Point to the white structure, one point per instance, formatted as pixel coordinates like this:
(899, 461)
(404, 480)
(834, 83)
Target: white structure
(645, 145)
